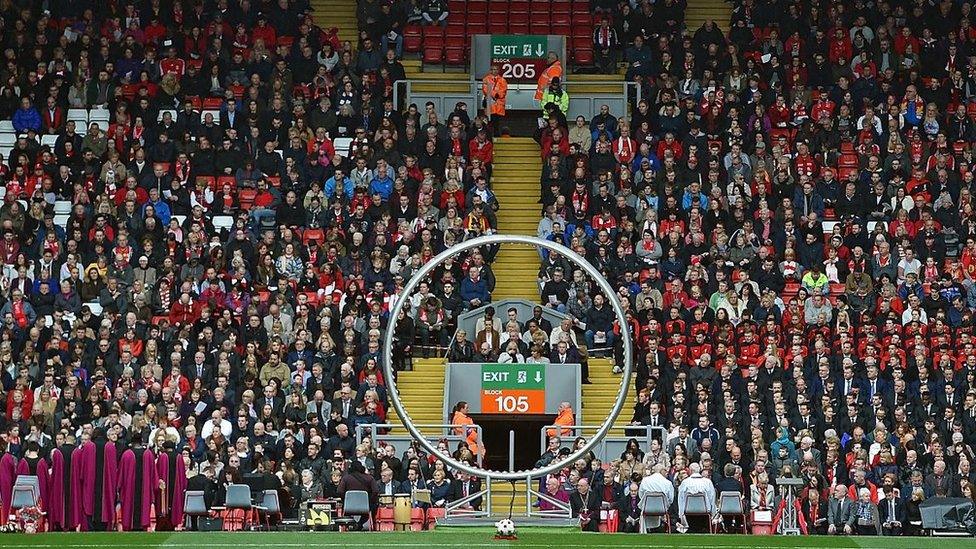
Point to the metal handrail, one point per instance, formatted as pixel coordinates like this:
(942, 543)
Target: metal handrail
(446, 429)
(562, 510)
(578, 430)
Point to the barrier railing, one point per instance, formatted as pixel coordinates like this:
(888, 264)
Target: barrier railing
(401, 441)
(612, 445)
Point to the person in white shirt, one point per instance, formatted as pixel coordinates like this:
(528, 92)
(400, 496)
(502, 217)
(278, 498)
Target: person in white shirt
(695, 484)
(656, 482)
(216, 421)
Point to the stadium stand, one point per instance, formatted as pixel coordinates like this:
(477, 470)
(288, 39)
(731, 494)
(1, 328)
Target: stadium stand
(208, 207)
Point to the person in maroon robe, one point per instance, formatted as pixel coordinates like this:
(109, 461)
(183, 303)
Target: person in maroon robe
(33, 464)
(8, 474)
(138, 483)
(99, 473)
(64, 507)
(172, 472)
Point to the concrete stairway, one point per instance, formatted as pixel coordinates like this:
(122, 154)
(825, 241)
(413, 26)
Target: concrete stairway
(515, 180)
(340, 14)
(422, 393)
(599, 395)
(700, 11)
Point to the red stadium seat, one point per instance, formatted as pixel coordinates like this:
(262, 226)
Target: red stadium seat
(246, 198)
(539, 25)
(583, 57)
(477, 8)
(582, 42)
(384, 519)
(213, 103)
(433, 514)
(584, 20)
(412, 38)
(455, 55)
(208, 180)
(456, 29)
(317, 235)
(518, 26)
(418, 519)
(226, 180)
(477, 26)
(561, 29)
(520, 6)
(433, 54)
(497, 23)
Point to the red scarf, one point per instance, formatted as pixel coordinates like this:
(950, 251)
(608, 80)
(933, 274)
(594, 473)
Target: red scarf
(19, 316)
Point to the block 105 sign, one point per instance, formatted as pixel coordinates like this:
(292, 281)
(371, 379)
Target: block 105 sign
(519, 58)
(513, 389)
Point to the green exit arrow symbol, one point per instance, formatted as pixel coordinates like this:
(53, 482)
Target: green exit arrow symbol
(538, 376)
(539, 51)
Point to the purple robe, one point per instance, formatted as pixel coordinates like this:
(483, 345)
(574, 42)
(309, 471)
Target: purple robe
(138, 483)
(8, 474)
(63, 508)
(172, 470)
(38, 468)
(99, 472)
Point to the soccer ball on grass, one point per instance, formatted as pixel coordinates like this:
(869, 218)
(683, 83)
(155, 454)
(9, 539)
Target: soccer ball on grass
(505, 528)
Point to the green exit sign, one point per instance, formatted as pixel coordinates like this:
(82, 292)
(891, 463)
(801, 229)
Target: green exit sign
(510, 46)
(513, 376)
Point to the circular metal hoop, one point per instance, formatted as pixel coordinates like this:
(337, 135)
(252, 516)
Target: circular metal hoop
(421, 274)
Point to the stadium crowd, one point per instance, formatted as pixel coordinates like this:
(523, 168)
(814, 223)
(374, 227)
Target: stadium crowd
(202, 274)
(787, 212)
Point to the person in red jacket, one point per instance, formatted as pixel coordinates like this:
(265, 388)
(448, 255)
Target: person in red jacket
(185, 311)
(840, 46)
(482, 148)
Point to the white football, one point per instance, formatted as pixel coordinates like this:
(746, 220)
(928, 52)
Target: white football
(505, 527)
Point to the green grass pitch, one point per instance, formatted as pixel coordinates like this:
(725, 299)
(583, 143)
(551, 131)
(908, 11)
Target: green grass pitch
(462, 538)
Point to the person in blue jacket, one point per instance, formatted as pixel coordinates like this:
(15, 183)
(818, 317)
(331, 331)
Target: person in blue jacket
(26, 117)
(382, 182)
(474, 289)
(159, 206)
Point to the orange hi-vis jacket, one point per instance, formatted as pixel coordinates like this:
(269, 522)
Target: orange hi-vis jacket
(495, 88)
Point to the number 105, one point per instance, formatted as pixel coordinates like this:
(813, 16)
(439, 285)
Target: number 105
(511, 404)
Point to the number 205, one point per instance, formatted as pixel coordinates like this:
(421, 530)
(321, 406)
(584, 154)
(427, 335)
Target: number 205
(510, 404)
(517, 70)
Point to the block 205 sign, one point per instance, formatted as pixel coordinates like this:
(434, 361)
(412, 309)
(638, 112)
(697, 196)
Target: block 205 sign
(520, 58)
(513, 388)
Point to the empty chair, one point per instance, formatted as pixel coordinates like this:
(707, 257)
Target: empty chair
(654, 512)
(270, 505)
(194, 507)
(99, 115)
(24, 495)
(61, 220)
(8, 139)
(223, 222)
(239, 507)
(7, 126)
(80, 116)
(342, 145)
(697, 506)
(94, 307)
(730, 506)
(48, 140)
(62, 207)
(355, 507)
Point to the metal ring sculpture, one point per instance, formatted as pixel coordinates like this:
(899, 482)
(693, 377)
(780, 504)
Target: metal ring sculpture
(402, 299)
